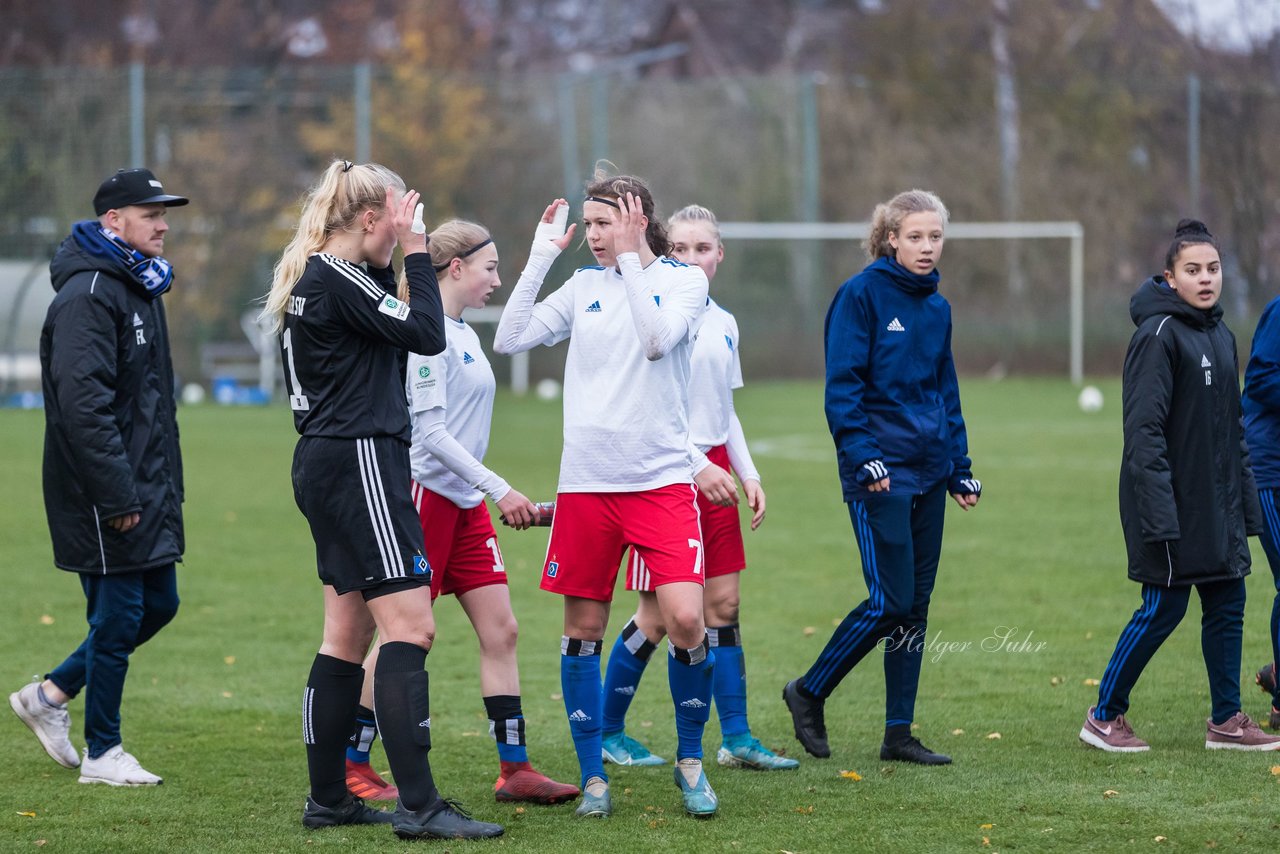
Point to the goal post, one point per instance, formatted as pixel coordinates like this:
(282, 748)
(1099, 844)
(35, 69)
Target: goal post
(1071, 231)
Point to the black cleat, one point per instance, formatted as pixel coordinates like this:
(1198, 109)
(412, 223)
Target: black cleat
(1266, 677)
(445, 819)
(808, 718)
(911, 750)
(350, 811)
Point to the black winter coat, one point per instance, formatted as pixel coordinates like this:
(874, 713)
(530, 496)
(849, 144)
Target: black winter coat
(1188, 501)
(111, 433)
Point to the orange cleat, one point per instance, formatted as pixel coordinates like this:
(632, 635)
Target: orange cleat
(520, 782)
(364, 782)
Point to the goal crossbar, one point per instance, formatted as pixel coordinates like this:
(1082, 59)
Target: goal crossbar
(1071, 231)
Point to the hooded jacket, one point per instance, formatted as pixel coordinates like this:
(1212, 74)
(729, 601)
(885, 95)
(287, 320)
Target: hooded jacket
(111, 434)
(1188, 501)
(1261, 399)
(891, 390)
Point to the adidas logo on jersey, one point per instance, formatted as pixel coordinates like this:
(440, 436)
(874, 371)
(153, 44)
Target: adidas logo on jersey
(1204, 361)
(137, 321)
(729, 341)
(895, 325)
(694, 703)
(467, 358)
(595, 306)
(629, 690)
(580, 716)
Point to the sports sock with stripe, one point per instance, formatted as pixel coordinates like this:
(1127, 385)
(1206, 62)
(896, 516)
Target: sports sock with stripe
(626, 665)
(729, 679)
(506, 725)
(689, 674)
(580, 684)
(402, 701)
(363, 735)
(328, 712)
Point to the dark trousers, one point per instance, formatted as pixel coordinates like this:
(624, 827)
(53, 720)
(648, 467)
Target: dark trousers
(1221, 634)
(900, 540)
(1270, 534)
(124, 611)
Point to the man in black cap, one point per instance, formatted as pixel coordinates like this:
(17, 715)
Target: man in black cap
(112, 468)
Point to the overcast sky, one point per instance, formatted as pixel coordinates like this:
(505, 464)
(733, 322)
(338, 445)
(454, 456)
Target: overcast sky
(1229, 23)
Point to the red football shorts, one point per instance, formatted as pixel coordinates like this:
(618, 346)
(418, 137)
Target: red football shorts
(592, 530)
(461, 544)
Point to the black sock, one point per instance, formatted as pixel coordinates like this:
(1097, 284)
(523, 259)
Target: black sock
(897, 733)
(328, 713)
(401, 699)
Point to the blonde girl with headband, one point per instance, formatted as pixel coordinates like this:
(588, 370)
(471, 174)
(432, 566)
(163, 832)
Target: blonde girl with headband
(716, 431)
(343, 338)
(627, 470)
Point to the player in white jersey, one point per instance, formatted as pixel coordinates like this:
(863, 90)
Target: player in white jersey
(451, 404)
(627, 476)
(716, 431)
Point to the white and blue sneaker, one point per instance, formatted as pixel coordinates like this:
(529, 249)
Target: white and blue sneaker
(699, 799)
(621, 749)
(746, 751)
(596, 801)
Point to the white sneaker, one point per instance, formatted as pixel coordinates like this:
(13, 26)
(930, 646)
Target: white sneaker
(116, 768)
(51, 725)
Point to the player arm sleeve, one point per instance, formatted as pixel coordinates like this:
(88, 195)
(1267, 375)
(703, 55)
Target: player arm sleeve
(82, 368)
(416, 326)
(697, 459)
(661, 326)
(1253, 521)
(961, 465)
(1262, 374)
(1147, 391)
(739, 454)
(429, 433)
(525, 322)
(848, 348)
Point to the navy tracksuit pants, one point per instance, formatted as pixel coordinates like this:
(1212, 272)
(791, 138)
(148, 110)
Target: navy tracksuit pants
(900, 540)
(1270, 536)
(124, 610)
(1221, 634)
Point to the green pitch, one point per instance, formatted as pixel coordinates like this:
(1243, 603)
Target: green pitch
(1030, 599)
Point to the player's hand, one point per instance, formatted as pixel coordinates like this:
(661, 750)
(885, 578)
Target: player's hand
(966, 501)
(629, 224)
(124, 523)
(717, 485)
(402, 212)
(517, 511)
(755, 500)
(551, 228)
(879, 486)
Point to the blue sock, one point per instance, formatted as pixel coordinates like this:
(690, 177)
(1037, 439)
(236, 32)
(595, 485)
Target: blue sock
(362, 738)
(730, 681)
(626, 665)
(506, 725)
(580, 683)
(689, 673)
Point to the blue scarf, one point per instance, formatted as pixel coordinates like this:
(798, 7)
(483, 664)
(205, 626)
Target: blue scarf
(153, 275)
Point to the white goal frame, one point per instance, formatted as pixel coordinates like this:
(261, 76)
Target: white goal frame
(1072, 231)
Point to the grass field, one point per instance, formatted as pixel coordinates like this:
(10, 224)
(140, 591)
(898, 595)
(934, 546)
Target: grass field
(213, 703)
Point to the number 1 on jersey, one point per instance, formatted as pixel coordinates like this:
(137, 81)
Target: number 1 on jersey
(297, 400)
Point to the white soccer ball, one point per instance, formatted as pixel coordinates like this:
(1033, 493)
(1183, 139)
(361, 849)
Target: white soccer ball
(547, 389)
(193, 393)
(1090, 399)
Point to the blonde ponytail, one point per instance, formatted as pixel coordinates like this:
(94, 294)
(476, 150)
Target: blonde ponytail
(344, 191)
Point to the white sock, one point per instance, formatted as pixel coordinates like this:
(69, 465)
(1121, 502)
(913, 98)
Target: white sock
(691, 769)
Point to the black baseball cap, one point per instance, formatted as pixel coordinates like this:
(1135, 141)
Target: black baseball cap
(133, 187)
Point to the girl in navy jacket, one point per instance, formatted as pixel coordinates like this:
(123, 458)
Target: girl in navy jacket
(893, 406)
(1187, 497)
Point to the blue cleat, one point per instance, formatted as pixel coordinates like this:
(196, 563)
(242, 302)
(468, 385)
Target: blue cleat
(746, 751)
(596, 802)
(699, 800)
(621, 749)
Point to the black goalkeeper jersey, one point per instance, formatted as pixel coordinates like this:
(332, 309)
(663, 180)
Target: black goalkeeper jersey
(345, 342)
